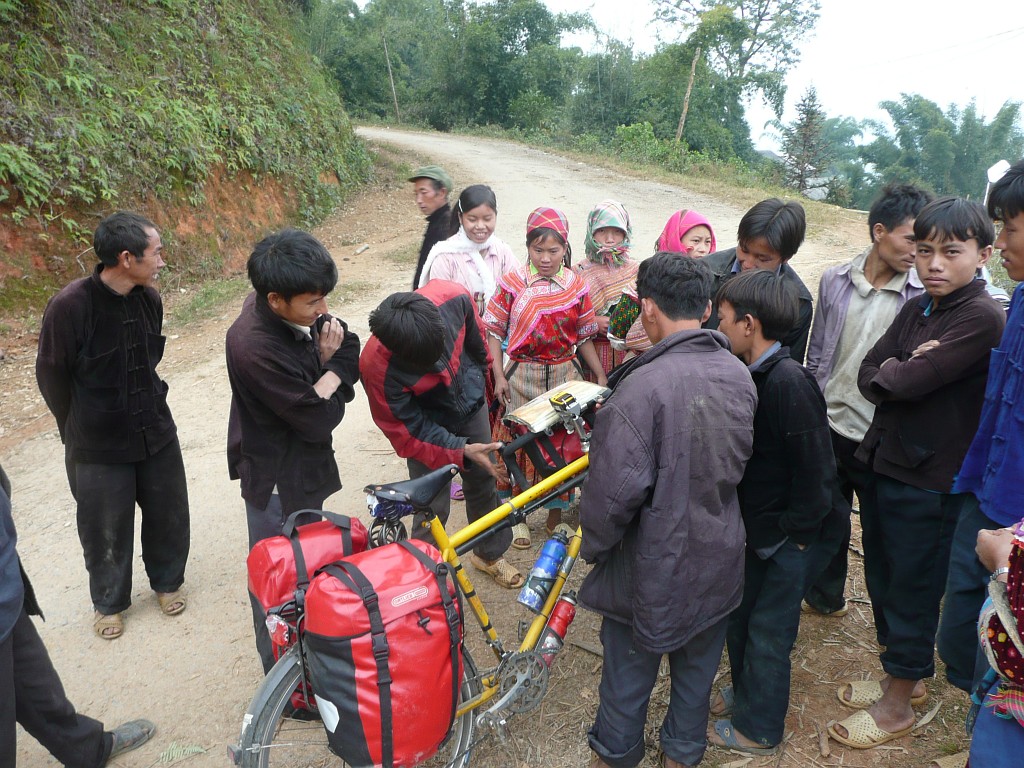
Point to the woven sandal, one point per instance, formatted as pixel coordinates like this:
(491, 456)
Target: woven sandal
(959, 760)
(504, 573)
(521, 536)
(568, 530)
(863, 732)
(864, 693)
(108, 626)
(171, 603)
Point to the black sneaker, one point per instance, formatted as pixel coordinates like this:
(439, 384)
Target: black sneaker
(130, 735)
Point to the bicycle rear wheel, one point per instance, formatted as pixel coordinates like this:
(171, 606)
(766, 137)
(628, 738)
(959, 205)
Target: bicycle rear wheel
(271, 740)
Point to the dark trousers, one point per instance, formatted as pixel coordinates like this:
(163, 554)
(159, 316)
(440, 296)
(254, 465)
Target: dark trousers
(762, 632)
(627, 679)
(827, 594)
(478, 487)
(916, 531)
(31, 694)
(966, 590)
(106, 495)
(263, 524)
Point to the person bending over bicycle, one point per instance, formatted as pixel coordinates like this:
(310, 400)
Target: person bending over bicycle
(424, 371)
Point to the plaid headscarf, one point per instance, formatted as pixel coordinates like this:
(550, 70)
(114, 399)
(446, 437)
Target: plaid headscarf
(552, 218)
(608, 213)
(678, 224)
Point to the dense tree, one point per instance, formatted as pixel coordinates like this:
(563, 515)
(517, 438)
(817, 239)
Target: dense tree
(805, 149)
(750, 42)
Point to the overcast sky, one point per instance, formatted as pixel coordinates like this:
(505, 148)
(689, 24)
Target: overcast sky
(866, 51)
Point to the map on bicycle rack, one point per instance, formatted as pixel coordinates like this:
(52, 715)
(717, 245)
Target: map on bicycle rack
(538, 415)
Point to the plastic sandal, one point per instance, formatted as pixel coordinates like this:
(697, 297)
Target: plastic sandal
(862, 732)
(171, 603)
(959, 760)
(864, 693)
(521, 536)
(727, 738)
(568, 530)
(456, 493)
(504, 573)
(108, 626)
(728, 702)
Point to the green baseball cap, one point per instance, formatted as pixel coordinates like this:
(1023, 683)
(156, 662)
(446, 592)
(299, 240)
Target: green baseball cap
(435, 172)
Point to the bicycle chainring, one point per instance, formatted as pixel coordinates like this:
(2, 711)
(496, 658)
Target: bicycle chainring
(528, 671)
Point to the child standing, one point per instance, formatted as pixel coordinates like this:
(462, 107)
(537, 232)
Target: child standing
(792, 510)
(544, 310)
(608, 272)
(926, 377)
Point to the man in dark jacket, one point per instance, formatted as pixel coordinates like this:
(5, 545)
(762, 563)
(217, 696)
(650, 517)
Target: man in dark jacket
(292, 368)
(768, 236)
(424, 373)
(431, 184)
(32, 692)
(99, 346)
(661, 519)
(792, 507)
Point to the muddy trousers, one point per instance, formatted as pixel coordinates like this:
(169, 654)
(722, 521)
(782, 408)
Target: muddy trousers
(34, 696)
(106, 495)
(627, 679)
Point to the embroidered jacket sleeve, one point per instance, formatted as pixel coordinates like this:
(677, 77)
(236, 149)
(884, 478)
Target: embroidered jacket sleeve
(499, 309)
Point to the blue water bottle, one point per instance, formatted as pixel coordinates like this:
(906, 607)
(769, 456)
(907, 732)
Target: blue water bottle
(538, 585)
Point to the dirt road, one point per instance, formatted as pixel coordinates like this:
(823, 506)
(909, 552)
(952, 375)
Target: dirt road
(193, 675)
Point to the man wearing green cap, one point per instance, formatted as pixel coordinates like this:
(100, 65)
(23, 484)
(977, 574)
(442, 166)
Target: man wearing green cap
(431, 185)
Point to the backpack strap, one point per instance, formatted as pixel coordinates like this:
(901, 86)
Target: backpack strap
(344, 524)
(353, 578)
(453, 615)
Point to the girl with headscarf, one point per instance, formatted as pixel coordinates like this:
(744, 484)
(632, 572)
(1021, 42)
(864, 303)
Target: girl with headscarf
(544, 310)
(687, 233)
(608, 271)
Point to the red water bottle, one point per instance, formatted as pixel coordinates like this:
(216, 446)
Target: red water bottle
(553, 637)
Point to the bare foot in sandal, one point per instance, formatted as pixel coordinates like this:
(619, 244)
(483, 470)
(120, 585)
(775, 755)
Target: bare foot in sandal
(108, 626)
(504, 573)
(171, 603)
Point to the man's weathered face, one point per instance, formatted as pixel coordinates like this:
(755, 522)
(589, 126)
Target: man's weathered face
(896, 246)
(428, 197)
(146, 271)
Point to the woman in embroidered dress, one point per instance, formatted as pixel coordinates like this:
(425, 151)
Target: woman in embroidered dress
(687, 233)
(608, 271)
(473, 256)
(544, 310)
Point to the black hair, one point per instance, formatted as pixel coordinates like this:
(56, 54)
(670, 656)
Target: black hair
(764, 295)
(472, 197)
(540, 233)
(896, 204)
(782, 224)
(291, 262)
(409, 325)
(680, 286)
(121, 231)
(953, 218)
(1006, 198)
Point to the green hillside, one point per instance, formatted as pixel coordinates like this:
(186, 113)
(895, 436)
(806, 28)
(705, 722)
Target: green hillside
(211, 117)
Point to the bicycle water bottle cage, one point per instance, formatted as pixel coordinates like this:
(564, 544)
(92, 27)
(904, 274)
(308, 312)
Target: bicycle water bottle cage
(418, 493)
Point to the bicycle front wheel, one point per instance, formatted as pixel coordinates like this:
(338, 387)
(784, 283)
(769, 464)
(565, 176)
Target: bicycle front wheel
(272, 740)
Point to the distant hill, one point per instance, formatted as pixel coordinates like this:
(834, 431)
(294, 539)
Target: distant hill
(210, 117)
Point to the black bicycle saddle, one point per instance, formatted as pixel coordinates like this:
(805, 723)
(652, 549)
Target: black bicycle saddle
(419, 492)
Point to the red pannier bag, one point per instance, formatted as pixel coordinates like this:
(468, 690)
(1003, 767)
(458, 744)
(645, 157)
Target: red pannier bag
(278, 566)
(383, 639)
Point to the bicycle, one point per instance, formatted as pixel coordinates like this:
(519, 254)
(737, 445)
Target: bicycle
(516, 683)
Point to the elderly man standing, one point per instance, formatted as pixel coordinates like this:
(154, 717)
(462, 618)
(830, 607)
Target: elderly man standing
(431, 185)
(99, 345)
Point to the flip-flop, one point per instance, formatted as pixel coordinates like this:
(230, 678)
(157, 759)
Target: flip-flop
(171, 603)
(728, 702)
(521, 536)
(862, 732)
(864, 693)
(104, 622)
(456, 492)
(727, 740)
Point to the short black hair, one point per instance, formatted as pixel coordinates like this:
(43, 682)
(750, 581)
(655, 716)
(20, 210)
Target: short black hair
(679, 285)
(896, 204)
(782, 224)
(410, 326)
(121, 231)
(953, 218)
(766, 296)
(291, 262)
(1006, 198)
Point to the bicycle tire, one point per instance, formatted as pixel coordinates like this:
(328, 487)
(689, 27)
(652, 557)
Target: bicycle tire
(270, 741)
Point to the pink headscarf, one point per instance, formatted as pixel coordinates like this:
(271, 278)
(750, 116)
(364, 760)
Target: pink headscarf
(552, 218)
(678, 224)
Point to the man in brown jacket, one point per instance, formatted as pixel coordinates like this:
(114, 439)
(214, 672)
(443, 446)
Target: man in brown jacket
(661, 518)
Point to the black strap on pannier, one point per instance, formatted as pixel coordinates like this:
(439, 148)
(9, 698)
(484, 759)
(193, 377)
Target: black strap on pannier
(344, 525)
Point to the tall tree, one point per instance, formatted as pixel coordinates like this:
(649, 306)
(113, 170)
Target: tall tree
(750, 42)
(805, 149)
